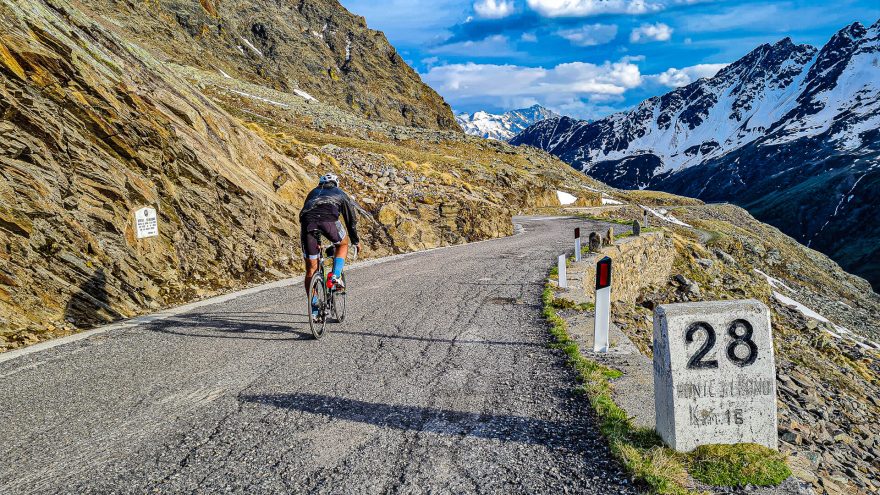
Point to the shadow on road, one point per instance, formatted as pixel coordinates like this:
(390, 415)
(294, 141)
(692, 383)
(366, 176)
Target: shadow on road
(441, 421)
(442, 341)
(258, 326)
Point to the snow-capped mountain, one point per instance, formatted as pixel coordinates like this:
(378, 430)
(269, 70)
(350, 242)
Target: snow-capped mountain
(788, 131)
(503, 126)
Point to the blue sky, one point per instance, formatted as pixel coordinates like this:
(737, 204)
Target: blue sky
(589, 58)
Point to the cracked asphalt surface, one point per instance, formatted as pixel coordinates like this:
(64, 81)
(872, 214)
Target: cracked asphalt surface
(439, 381)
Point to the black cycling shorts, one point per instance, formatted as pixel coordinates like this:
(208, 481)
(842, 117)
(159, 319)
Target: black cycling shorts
(334, 231)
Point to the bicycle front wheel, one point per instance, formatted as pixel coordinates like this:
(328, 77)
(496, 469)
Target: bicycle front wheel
(318, 290)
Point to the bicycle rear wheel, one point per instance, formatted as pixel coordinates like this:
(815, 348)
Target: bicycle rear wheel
(339, 303)
(319, 290)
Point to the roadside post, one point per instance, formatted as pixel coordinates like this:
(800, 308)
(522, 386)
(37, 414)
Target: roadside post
(563, 282)
(146, 223)
(645, 212)
(603, 305)
(714, 374)
(577, 244)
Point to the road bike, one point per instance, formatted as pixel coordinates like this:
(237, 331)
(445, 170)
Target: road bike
(331, 302)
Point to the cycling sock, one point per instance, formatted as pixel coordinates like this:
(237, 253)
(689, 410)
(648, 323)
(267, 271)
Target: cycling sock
(338, 263)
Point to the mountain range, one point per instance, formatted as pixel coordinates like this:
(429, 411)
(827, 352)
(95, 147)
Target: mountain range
(790, 132)
(502, 127)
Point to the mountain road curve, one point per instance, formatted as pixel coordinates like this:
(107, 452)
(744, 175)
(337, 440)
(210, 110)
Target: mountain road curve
(439, 381)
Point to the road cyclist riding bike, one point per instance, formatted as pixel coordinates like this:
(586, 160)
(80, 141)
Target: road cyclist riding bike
(320, 217)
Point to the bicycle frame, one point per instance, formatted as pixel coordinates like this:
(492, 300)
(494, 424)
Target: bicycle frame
(322, 262)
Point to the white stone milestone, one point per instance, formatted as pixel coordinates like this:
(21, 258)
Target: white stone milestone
(714, 374)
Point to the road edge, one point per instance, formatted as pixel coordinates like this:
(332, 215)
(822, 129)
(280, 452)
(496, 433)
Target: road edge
(178, 310)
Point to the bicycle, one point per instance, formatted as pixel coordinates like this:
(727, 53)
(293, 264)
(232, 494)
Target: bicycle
(331, 302)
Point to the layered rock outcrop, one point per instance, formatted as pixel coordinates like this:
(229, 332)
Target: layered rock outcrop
(314, 47)
(92, 129)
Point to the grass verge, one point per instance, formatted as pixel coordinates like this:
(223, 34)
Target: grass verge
(640, 450)
(738, 465)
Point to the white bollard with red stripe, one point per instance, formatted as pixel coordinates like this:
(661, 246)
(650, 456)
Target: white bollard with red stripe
(563, 282)
(603, 305)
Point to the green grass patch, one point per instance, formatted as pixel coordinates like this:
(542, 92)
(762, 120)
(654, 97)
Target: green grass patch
(597, 218)
(562, 303)
(738, 465)
(630, 234)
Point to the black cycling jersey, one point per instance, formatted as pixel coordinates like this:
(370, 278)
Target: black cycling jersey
(325, 203)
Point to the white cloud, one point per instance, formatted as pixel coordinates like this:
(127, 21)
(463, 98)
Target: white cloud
(563, 86)
(590, 34)
(741, 16)
(493, 9)
(586, 8)
(430, 61)
(675, 78)
(497, 45)
(632, 58)
(651, 32)
(529, 37)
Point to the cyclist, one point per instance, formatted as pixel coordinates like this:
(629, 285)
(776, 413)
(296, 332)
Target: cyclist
(321, 211)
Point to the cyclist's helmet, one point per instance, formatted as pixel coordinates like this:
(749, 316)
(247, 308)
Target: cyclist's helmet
(329, 179)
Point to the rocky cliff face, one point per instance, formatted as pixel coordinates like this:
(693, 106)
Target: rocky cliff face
(785, 125)
(315, 47)
(93, 127)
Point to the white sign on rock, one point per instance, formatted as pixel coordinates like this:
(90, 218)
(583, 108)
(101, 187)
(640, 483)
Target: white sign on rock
(714, 374)
(146, 223)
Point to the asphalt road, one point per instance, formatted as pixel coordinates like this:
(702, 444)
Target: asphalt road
(439, 381)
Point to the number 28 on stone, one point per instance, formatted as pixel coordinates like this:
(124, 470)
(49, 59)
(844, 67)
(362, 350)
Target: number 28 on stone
(740, 338)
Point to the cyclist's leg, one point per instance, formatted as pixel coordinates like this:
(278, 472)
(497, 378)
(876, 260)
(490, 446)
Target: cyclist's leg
(342, 248)
(311, 269)
(310, 251)
(335, 232)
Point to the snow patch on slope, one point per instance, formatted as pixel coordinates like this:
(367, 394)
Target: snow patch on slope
(303, 94)
(839, 332)
(251, 46)
(664, 215)
(260, 98)
(565, 198)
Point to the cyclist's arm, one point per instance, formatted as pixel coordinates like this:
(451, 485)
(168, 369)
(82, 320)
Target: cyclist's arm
(349, 214)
